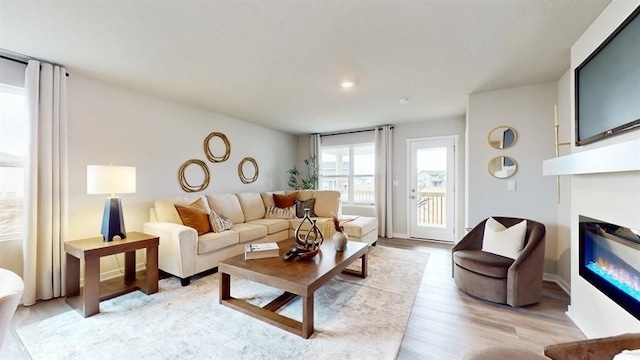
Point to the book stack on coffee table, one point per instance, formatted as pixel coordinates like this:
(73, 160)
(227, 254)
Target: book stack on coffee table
(261, 251)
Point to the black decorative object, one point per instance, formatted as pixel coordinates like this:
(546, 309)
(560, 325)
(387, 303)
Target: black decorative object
(308, 245)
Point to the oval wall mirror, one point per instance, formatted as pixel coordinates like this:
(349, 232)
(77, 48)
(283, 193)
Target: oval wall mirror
(502, 137)
(502, 167)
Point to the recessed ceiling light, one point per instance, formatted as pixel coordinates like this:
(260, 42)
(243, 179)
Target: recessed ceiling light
(404, 100)
(347, 84)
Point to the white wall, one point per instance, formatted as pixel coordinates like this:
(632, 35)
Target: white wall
(109, 124)
(529, 110)
(563, 235)
(612, 197)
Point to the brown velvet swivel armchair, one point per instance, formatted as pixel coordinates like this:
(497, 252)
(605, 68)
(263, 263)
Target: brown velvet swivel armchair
(497, 278)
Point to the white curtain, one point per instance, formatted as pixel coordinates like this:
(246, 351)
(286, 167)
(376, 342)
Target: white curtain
(45, 173)
(316, 150)
(384, 180)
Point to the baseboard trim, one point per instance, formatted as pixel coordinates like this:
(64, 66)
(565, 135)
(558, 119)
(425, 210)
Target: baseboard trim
(401, 236)
(563, 285)
(119, 272)
(558, 280)
(108, 275)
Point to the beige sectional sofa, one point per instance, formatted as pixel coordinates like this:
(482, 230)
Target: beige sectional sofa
(183, 253)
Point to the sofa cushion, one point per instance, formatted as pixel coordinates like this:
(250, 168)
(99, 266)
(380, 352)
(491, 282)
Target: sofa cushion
(307, 204)
(280, 213)
(504, 241)
(252, 206)
(227, 205)
(215, 241)
(194, 217)
(219, 222)
(166, 212)
(320, 223)
(484, 263)
(249, 232)
(267, 198)
(327, 202)
(285, 201)
(302, 194)
(273, 225)
(359, 227)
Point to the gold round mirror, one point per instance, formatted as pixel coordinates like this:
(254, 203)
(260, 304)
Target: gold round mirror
(502, 137)
(502, 167)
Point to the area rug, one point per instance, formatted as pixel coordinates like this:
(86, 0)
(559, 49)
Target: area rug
(354, 319)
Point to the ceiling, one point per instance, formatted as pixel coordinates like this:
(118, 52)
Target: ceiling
(279, 63)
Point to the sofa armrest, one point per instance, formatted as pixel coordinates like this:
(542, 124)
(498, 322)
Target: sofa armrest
(593, 349)
(177, 250)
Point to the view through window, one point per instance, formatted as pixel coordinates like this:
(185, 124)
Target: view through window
(13, 147)
(351, 170)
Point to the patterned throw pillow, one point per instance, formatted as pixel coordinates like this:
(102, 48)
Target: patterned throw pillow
(194, 217)
(307, 204)
(274, 212)
(284, 201)
(219, 222)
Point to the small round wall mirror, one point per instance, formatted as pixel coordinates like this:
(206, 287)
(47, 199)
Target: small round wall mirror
(502, 137)
(502, 167)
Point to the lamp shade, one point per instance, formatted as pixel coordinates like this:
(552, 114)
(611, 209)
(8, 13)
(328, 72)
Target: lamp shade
(109, 179)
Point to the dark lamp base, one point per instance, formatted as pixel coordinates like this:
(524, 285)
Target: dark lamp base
(112, 220)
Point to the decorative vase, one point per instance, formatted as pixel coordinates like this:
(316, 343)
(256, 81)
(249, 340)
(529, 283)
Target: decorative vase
(340, 240)
(313, 238)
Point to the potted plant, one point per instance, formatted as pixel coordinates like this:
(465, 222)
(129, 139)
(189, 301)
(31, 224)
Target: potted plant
(298, 182)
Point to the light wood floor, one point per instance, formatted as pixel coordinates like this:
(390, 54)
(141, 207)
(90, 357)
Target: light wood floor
(445, 323)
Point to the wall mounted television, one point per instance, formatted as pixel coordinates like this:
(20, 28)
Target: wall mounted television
(607, 85)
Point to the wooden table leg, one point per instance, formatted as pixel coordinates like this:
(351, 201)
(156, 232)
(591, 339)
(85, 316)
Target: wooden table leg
(365, 265)
(152, 270)
(225, 287)
(364, 268)
(72, 279)
(307, 316)
(91, 295)
(129, 267)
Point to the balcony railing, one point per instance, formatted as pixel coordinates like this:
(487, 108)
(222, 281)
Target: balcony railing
(432, 205)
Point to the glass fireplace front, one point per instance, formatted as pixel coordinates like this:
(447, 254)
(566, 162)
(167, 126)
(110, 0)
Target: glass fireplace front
(610, 261)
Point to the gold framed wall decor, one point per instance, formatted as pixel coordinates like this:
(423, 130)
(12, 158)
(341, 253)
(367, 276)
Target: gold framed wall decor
(243, 177)
(182, 179)
(207, 148)
(502, 137)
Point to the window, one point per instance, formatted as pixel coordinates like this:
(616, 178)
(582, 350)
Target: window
(349, 169)
(13, 147)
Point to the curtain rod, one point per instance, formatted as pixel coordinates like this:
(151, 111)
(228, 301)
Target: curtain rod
(12, 59)
(25, 62)
(352, 131)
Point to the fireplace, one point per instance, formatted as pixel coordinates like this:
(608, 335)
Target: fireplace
(610, 261)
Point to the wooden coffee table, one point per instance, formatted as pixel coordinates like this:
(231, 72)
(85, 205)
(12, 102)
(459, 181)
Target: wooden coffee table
(296, 278)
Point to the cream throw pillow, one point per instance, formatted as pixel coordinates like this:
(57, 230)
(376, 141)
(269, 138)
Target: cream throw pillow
(500, 240)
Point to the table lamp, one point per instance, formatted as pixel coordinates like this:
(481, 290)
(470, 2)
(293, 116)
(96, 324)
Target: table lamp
(109, 179)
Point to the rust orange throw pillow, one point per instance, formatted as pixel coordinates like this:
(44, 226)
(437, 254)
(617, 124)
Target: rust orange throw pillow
(195, 217)
(285, 201)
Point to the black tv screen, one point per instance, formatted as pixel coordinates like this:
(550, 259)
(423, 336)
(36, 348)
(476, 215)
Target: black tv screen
(607, 85)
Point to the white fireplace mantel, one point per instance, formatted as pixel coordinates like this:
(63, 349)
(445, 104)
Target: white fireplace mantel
(624, 156)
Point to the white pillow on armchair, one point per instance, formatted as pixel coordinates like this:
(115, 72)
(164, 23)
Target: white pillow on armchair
(500, 240)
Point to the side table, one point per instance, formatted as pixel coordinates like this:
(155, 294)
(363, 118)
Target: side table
(91, 250)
